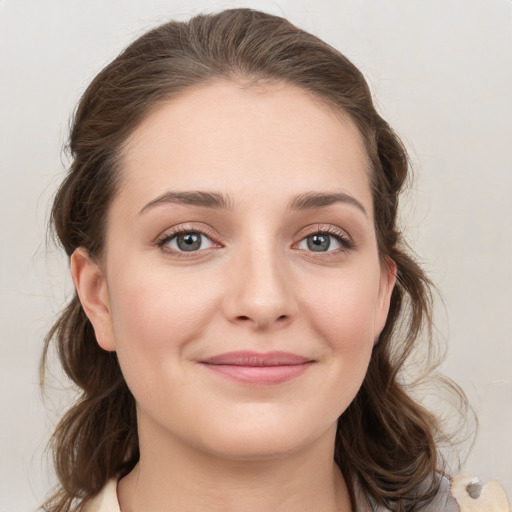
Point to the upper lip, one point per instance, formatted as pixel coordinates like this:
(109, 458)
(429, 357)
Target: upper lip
(248, 358)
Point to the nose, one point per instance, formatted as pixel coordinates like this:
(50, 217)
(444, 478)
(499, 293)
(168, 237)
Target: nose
(259, 290)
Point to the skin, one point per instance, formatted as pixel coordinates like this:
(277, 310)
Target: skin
(209, 442)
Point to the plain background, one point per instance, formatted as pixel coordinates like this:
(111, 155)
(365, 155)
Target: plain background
(441, 74)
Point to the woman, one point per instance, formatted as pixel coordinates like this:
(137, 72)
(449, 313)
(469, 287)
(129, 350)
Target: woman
(244, 300)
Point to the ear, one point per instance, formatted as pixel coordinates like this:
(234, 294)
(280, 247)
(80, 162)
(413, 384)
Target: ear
(386, 285)
(91, 287)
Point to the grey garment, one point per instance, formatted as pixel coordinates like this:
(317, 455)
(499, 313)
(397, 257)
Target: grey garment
(442, 502)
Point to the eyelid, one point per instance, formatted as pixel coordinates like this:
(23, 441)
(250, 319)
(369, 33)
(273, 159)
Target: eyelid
(170, 233)
(342, 235)
(344, 238)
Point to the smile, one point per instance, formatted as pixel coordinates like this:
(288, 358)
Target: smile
(270, 368)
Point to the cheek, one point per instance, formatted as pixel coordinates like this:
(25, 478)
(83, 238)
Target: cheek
(342, 314)
(154, 317)
(344, 306)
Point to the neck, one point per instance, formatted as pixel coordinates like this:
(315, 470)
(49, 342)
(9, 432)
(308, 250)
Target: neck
(181, 477)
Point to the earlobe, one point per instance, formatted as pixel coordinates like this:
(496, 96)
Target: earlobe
(91, 287)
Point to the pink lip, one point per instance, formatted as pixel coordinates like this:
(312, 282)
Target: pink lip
(258, 369)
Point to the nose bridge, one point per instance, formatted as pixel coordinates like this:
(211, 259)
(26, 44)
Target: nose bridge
(260, 287)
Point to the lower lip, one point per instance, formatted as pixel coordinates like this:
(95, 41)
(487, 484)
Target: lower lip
(259, 375)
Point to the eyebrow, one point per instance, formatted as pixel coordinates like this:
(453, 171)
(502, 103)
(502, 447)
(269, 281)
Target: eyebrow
(193, 198)
(215, 200)
(312, 200)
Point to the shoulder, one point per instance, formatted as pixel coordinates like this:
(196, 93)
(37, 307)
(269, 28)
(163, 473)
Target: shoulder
(443, 500)
(462, 493)
(106, 500)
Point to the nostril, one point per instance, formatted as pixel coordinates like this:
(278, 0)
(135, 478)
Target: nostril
(245, 318)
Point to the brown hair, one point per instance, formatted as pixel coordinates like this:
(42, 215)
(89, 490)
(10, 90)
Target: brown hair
(385, 440)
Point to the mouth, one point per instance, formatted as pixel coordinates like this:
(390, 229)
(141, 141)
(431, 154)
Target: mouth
(255, 368)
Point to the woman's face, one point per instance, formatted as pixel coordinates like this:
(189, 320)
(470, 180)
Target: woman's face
(240, 285)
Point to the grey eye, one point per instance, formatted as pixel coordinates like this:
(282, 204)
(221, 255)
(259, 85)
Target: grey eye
(319, 242)
(188, 242)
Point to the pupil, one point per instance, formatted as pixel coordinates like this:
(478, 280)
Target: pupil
(319, 243)
(189, 241)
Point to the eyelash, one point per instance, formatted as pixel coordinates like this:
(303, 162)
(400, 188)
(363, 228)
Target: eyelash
(168, 236)
(346, 242)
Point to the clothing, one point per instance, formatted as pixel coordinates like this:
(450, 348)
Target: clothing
(106, 500)
(442, 502)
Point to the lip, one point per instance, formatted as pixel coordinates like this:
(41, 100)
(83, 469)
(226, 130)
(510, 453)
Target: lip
(269, 368)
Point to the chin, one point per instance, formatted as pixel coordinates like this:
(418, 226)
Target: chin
(263, 442)
(254, 448)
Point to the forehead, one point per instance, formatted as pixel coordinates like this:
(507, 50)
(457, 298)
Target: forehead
(236, 139)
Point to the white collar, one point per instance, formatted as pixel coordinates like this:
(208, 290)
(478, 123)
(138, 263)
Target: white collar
(106, 500)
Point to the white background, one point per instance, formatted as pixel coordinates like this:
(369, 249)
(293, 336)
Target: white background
(441, 72)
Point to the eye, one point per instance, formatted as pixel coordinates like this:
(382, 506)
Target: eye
(325, 241)
(186, 241)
